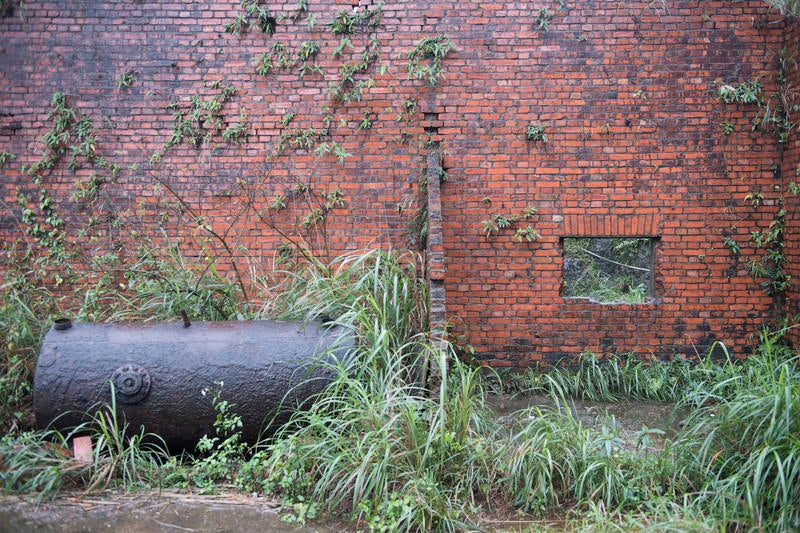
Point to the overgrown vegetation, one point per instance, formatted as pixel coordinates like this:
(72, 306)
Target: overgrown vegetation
(404, 438)
(608, 269)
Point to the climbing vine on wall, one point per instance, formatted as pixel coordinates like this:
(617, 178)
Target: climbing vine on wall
(71, 135)
(776, 116)
(202, 120)
(425, 60)
(498, 222)
(350, 41)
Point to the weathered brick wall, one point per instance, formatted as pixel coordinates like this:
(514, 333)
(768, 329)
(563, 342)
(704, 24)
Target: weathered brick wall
(635, 147)
(791, 174)
(626, 91)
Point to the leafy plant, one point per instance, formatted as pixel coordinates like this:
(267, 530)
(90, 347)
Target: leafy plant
(305, 56)
(350, 21)
(222, 452)
(425, 60)
(200, 122)
(366, 121)
(254, 15)
(126, 79)
(5, 157)
(239, 133)
(770, 267)
(732, 246)
(543, 19)
(498, 222)
(748, 92)
(351, 84)
(70, 133)
(727, 128)
(536, 133)
(332, 148)
(301, 138)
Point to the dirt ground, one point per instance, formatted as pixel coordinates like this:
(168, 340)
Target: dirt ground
(169, 510)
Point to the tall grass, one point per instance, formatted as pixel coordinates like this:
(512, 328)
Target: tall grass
(616, 377)
(745, 436)
(396, 453)
(381, 445)
(403, 439)
(158, 285)
(24, 313)
(37, 462)
(42, 462)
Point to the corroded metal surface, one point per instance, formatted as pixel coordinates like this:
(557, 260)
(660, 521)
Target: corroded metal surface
(164, 375)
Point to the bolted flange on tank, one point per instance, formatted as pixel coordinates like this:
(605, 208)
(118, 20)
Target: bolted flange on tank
(161, 374)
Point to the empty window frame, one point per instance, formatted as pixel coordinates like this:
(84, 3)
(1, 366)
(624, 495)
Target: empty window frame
(608, 269)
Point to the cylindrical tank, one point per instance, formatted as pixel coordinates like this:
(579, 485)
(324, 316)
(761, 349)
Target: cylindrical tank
(165, 375)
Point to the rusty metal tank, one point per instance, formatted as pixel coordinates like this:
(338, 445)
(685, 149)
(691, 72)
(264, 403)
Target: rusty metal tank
(164, 375)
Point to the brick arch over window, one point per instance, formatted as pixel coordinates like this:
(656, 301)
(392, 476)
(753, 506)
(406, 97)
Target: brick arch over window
(590, 225)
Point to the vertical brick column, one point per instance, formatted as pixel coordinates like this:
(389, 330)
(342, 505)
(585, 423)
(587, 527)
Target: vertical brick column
(435, 262)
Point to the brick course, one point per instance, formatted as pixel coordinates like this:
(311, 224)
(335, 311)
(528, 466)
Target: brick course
(626, 92)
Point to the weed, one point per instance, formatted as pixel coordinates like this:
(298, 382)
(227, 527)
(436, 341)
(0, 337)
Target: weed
(425, 60)
(366, 121)
(536, 133)
(348, 21)
(26, 309)
(239, 133)
(727, 128)
(543, 19)
(222, 452)
(743, 436)
(38, 463)
(42, 462)
(121, 455)
(5, 157)
(126, 79)
(502, 221)
(254, 15)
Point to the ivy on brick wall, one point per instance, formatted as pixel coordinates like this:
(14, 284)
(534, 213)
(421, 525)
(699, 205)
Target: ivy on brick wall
(776, 116)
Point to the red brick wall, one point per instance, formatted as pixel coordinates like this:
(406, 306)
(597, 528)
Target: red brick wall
(791, 174)
(626, 91)
(634, 147)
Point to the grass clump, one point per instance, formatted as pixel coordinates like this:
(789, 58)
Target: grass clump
(744, 436)
(42, 462)
(616, 377)
(25, 309)
(379, 446)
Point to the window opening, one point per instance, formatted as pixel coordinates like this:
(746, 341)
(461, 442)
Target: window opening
(608, 269)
